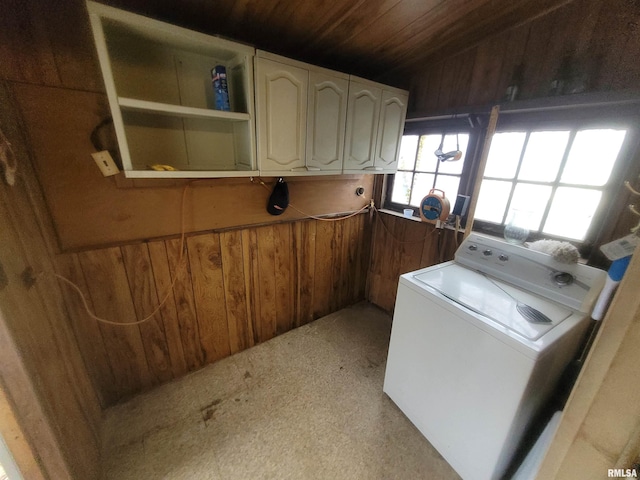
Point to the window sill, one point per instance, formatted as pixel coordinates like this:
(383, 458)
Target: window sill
(398, 214)
(418, 219)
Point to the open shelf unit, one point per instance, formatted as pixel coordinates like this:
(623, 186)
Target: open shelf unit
(158, 81)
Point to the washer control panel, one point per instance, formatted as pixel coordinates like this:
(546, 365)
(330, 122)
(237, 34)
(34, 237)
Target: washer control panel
(569, 284)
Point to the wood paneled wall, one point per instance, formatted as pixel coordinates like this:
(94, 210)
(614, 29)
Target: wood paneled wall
(41, 368)
(90, 210)
(402, 245)
(594, 41)
(234, 289)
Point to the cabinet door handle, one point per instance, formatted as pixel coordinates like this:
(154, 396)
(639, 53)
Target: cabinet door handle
(299, 169)
(313, 169)
(377, 169)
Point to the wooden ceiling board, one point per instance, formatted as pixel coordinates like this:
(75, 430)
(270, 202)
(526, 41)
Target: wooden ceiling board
(364, 37)
(361, 18)
(445, 37)
(351, 18)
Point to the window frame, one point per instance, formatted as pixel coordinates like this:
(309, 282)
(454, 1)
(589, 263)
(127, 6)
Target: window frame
(467, 125)
(527, 116)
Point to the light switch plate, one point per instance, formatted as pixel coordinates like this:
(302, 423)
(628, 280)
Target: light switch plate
(105, 163)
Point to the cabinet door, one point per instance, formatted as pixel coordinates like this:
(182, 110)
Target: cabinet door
(362, 126)
(393, 112)
(282, 116)
(327, 116)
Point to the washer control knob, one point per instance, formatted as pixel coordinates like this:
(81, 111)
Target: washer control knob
(487, 253)
(503, 257)
(473, 247)
(563, 278)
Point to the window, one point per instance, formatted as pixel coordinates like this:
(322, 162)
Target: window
(419, 169)
(550, 182)
(554, 169)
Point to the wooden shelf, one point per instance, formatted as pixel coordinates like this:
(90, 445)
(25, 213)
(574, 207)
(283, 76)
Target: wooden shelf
(179, 111)
(191, 174)
(158, 82)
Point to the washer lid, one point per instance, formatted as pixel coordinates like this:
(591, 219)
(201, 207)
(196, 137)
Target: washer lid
(493, 299)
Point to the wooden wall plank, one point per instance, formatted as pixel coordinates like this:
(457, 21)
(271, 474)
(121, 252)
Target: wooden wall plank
(411, 249)
(627, 70)
(267, 279)
(430, 255)
(184, 298)
(364, 231)
(560, 31)
(235, 292)
(336, 264)
(145, 300)
(25, 52)
(38, 339)
(374, 271)
(72, 46)
(349, 259)
(163, 278)
(407, 246)
(323, 282)
(513, 60)
(463, 68)
(251, 281)
(108, 287)
(486, 71)
(18, 383)
(54, 323)
(208, 288)
(296, 273)
(430, 98)
(25, 317)
(306, 287)
(449, 73)
(283, 287)
(87, 330)
(609, 40)
(14, 436)
(394, 258)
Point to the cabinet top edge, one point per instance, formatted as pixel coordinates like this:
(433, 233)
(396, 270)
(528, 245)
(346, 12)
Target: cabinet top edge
(389, 88)
(142, 22)
(296, 63)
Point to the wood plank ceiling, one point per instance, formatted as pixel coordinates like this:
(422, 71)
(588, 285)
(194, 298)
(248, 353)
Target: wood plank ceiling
(365, 37)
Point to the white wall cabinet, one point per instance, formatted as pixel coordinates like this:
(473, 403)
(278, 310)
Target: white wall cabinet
(309, 120)
(301, 117)
(375, 122)
(282, 116)
(158, 82)
(326, 120)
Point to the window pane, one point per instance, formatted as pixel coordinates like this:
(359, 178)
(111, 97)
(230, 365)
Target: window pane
(450, 144)
(449, 185)
(492, 200)
(530, 201)
(426, 157)
(422, 183)
(592, 156)
(571, 212)
(401, 187)
(408, 150)
(543, 155)
(504, 154)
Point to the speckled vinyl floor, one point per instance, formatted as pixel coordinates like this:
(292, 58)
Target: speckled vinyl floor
(306, 405)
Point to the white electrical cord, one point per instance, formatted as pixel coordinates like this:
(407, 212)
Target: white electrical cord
(169, 290)
(333, 219)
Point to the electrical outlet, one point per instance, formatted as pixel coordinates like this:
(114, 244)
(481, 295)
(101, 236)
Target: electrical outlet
(105, 163)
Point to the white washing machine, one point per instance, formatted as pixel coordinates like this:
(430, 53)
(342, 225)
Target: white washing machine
(478, 344)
